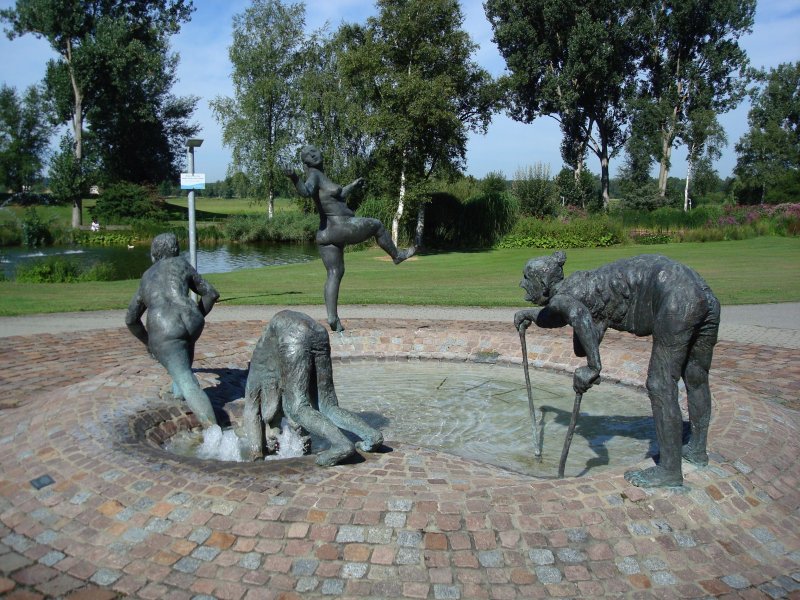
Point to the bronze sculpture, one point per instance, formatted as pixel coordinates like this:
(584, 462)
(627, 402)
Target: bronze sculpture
(338, 226)
(291, 375)
(643, 295)
(174, 320)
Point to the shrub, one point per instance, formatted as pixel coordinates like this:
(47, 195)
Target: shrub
(597, 231)
(10, 233)
(57, 269)
(54, 269)
(126, 202)
(283, 227)
(490, 215)
(535, 191)
(34, 231)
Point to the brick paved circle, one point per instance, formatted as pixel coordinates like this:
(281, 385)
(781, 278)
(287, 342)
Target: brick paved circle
(123, 517)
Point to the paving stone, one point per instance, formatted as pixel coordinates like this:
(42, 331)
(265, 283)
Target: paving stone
(446, 592)
(332, 587)
(350, 534)
(542, 556)
(304, 566)
(736, 581)
(548, 574)
(409, 538)
(628, 565)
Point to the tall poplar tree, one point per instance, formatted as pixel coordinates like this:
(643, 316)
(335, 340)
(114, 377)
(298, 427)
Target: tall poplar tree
(694, 63)
(89, 36)
(576, 61)
(25, 129)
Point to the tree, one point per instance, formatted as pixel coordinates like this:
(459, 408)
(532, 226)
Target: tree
(575, 61)
(260, 121)
(705, 138)
(25, 129)
(694, 63)
(420, 90)
(89, 36)
(68, 178)
(769, 153)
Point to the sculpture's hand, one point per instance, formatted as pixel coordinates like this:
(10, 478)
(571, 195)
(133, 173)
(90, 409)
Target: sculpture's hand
(290, 174)
(522, 320)
(358, 183)
(584, 378)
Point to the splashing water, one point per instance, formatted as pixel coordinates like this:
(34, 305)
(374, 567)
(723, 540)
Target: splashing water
(220, 445)
(290, 443)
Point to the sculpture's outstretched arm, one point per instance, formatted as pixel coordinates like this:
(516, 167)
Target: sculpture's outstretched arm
(586, 333)
(348, 189)
(133, 318)
(208, 294)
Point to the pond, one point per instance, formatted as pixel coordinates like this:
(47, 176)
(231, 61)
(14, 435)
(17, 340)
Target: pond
(130, 263)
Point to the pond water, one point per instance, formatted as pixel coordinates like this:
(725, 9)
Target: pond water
(130, 263)
(480, 412)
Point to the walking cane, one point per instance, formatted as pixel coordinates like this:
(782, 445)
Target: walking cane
(576, 408)
(537, 451)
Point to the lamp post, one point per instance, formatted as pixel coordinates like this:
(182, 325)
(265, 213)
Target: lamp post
(191, 144)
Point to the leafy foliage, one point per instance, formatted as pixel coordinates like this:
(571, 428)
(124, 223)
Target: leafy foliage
(114, 70)
(259, 123)
(35, 232)
(768, 165)
(535, 191)
(124, 202)
(594, 232)
(25, 130)
(57, 269)
(582, 75)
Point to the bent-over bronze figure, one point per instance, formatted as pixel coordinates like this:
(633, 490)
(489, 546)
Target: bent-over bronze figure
(643, 295)
(291, 375)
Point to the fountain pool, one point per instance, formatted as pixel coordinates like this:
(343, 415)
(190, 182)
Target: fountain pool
(480, 411)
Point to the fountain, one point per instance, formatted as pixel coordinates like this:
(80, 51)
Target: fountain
(473, 410)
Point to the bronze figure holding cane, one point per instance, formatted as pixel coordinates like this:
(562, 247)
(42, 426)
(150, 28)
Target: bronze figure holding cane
(648, 294)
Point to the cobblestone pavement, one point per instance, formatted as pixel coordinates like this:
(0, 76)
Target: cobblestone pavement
(92, 507)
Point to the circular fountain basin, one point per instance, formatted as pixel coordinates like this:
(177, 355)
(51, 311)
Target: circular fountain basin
(480, 411)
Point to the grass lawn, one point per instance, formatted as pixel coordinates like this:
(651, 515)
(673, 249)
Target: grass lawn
(758, 270)
(206, 209)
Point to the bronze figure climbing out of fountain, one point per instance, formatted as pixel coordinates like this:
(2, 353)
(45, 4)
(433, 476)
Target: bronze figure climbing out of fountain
(174, 320)
(643, 295)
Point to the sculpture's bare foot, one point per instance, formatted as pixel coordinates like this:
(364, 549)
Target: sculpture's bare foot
(654, 477)
(371, 443)
(335, 455)
(335, 324)
(405, 254)
(696, 456)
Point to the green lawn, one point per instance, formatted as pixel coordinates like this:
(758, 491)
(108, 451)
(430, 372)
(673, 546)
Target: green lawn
(207, 209)
(758, 270)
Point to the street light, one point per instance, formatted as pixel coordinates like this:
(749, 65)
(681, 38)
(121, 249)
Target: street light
(191, 144)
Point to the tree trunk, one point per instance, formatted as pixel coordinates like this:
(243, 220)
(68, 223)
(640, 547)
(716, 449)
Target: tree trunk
(689, 163)
(77, 132)
(420, 231)
(663, 172)
(271, 204)
(400, 203)
(604, 178)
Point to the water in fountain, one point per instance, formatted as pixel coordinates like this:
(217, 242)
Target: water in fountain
(480, 411)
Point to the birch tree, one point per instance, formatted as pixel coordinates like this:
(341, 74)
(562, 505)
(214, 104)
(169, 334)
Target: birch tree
(260, 122)
(421, 91)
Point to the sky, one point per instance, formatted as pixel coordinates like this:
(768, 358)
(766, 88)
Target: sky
(204, 71)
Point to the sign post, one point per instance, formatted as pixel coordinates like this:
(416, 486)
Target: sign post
(191, 181)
